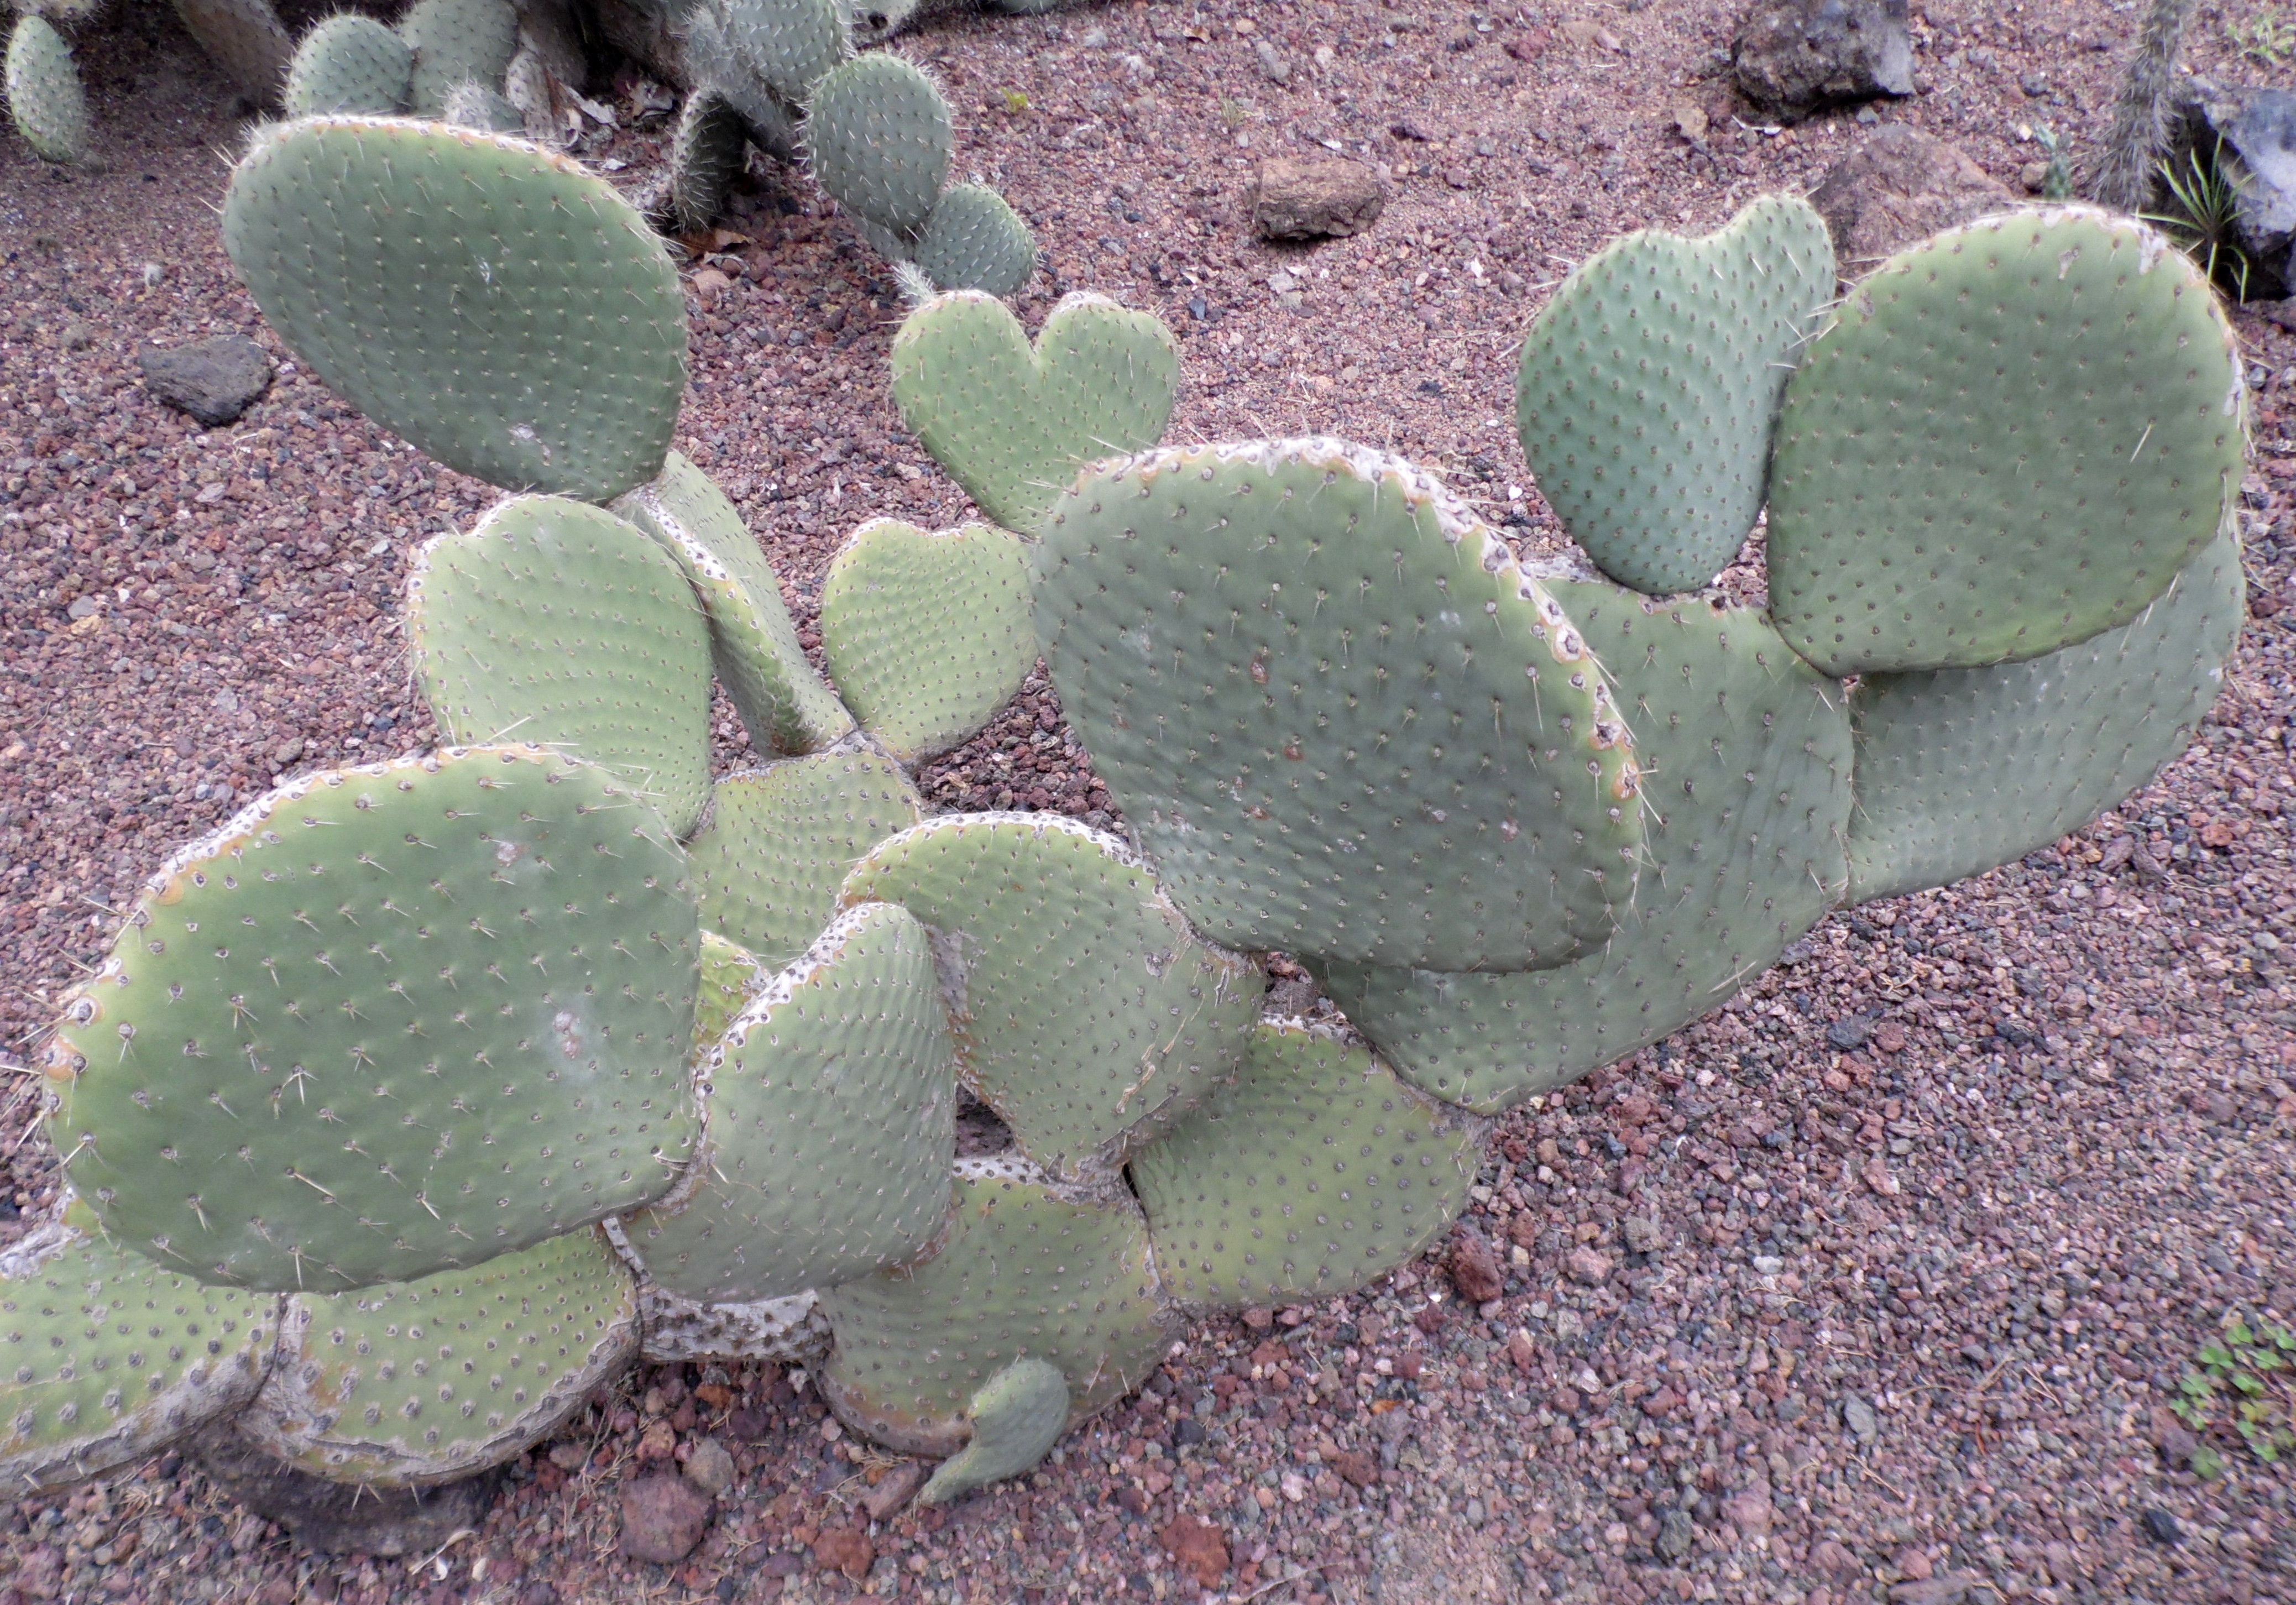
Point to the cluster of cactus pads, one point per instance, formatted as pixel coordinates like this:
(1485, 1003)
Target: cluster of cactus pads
(421, 1096)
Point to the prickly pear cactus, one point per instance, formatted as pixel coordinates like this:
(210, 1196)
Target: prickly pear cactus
(471, 104)
(879, 135)
(792, 44)
(349, 63)
(975, 241)
(44, 91)
(705, 157)
(1017, 1417)
(246, 39)
(457, 42)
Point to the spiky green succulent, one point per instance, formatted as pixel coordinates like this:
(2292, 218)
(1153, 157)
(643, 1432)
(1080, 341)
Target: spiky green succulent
(349, 63)
(878, 136)
(45, 97)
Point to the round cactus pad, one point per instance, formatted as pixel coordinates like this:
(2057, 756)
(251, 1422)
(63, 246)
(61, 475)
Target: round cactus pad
(1087, 1014)
(1747, 781)
(1012, 423)
(781, 840)
(1315, 1173)
(1342, 720)
(45, 97)
(2012, 437)
(416, 1382)
(556, 623)
(1648, 392)
(975, 241)
(1026, 1273)
(790, 45)
(831, 1126)
(106, 1357)
(349, 62)
(880, 136)
(532, 334)
(927, 633)
(1959, 770)
(432, 1011)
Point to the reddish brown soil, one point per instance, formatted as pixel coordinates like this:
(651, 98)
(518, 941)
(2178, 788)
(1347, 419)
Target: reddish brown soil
(1992, 1236)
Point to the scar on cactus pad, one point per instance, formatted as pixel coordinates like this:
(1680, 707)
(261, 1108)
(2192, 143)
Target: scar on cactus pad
(413, 1035)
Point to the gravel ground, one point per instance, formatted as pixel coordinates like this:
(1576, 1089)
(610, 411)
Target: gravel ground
(1874, 1284)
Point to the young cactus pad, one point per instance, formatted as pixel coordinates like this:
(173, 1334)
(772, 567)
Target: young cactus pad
(1315, 1171)
(1340, 717)
(106, 1357)
(1017, 1418)
(831, 1125)
(781, 840)
(1648, 393)
(413, 1383)
(532, 335)
(898, 599)
(1026, 1273)
(433, 1011)
(753, 645)
(555, 622)
(1959, 770)
(457, 42)
(1011, 423)
(2012, 437)
(349, 63)
(880, 136)
(44, 96)
(975, 241)
(1747, 789)
(1087, 1014)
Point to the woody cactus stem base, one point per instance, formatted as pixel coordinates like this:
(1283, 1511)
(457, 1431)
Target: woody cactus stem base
(423, 1095)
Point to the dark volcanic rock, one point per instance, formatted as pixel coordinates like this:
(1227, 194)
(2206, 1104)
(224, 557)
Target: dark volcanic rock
(214, 381)
(1795, 56)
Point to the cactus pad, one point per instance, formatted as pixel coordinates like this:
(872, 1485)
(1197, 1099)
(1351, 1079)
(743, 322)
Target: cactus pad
(44, 96)
(729, 978)
(106, 1357)
(1748, 784)
(246, 39)
(1340, 717)
(411, 1383)
(705, 158)
(471, 104)
(1315, 1173)
(555, 622)
(431, 1011)
(2012, 437)
(780, 841)
(1013, 424)
(1648, 392)
(1026, 1273)
(1959, 770)
(457, 42)
(880, 136)
(349, 62)
(831, 1126)
(1016, 1419)
(752, 643)
(975, 241)
(1087, 1014)
(927, 635)
(532, 335)
(791, 44)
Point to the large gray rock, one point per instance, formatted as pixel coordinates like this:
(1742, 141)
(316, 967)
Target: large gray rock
(1901, 185)
(2258, 128)
(1307, 199)
(1795, 56)
(214, 381)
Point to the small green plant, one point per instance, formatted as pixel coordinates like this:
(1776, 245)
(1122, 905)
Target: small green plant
(2268, 39)
(1234, 113)
(2253, 1370)
(2058, 186)
(1015, 101)
(2202, 213)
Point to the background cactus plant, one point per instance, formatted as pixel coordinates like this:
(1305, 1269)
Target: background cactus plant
(403, 1035)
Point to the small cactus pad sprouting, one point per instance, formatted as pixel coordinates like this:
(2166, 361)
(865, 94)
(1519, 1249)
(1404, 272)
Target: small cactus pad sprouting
(432, 1011)
(349, 62)
(705, 157)
(2011, 438)
(554, 622)
(1017, 1418)
(752, 643)
(790, 45)
(1648, 393)
(880, 136)
(44, 96)
(457, 42)
(106, 1357)
(1342, 721)
(532, 334)
(1027, 1272)
(1012, 423)
(1315, 1173)
(927, 633)
(1959, 770)
(975, 241)
(1087, 1014)
(781, 840)
(729, 978)
(409, 1383)
(1747, 788)
(831, 1124)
